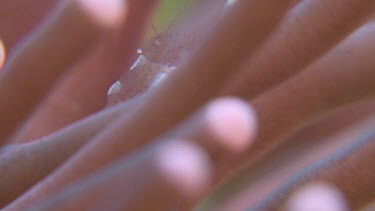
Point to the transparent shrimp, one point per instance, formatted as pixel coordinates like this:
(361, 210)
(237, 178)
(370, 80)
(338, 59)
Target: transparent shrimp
(157, 59)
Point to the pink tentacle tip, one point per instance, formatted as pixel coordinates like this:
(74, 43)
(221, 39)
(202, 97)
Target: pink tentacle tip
(108, 13)
(185, 166)
(317, 196)
(233, 122)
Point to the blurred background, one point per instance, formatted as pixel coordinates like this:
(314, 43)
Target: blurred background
(170, 9)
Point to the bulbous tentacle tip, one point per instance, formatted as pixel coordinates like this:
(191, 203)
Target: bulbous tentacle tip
(317, 196)
(107, 14)
(2, 53)
(185, 166)
(233, 122)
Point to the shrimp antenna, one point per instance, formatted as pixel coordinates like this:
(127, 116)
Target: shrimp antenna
(154, 29)
(177, 17)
